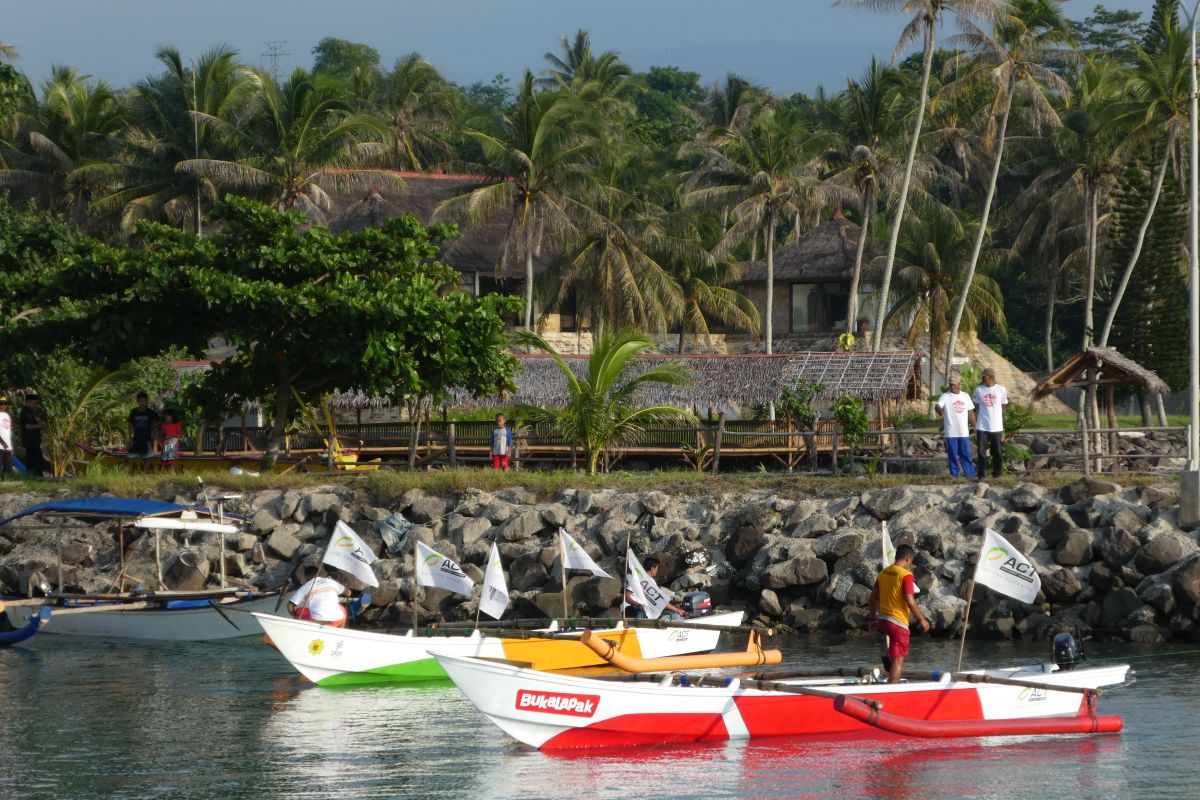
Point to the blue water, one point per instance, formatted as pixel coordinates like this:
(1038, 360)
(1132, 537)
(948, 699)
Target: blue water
(95, 720)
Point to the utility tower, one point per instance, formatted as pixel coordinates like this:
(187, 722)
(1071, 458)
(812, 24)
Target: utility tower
(275, 53)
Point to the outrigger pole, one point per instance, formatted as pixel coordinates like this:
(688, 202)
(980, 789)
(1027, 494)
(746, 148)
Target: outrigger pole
(967, 617)
(562, 557)
(416, 587)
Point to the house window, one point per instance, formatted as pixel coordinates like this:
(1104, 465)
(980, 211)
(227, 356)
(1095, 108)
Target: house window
(819, 307)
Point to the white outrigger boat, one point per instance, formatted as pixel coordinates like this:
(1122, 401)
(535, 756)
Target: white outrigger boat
(157, 615)
(330, 656)
(552, 711)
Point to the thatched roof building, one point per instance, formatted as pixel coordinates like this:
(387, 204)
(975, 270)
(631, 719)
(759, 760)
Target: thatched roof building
(727, 379)
(826, 253)
(1113, 370)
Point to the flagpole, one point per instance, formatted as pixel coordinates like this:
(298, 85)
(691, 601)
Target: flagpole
(967, 619)
(625, 578)
(479, 606)
(562, 551)
(416, 588)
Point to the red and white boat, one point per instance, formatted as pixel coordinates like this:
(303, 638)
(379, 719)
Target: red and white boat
(552, 711)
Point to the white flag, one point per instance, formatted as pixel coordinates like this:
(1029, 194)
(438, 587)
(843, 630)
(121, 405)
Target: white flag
(1002, 567)
(350, 554)
(493, 598)
(887, 548)
(577, 557)
(889, 552)
(434, 569)
(644, 589)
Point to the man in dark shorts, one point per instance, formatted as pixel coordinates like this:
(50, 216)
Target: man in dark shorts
(142, 422)
(893, 604)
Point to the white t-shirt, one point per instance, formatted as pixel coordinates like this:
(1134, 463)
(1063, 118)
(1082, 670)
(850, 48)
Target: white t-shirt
(5, 431)
(322, 596)
(954, 406)
(990, 402)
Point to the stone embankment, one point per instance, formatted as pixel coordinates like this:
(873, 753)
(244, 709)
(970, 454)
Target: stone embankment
(1113, 561)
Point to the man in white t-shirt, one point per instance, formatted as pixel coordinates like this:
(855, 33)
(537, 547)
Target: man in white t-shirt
(6, 440)
(318, 600)
(958, 415)
(990, 400)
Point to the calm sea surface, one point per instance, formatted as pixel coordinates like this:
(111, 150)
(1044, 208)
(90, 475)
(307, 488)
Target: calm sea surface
(102, 720)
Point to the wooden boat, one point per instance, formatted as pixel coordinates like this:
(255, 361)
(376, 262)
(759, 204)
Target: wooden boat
(158, 617)
(340, 656)
(552, 711)
(36, 621)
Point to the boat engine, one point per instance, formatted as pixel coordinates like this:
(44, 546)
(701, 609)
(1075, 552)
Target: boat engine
(1067, 652)
(697, 604)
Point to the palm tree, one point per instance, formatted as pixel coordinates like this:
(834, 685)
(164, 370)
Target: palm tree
(603, 78)
(71, 131)
(164, 132)
(1161, 86)
(1072, 176)
(298, 135)
(602, 411)
(419, 105)
(926, 15)
(1035, 32)
(932, 259)
(764, 171)
(704, 284)
(535, 156)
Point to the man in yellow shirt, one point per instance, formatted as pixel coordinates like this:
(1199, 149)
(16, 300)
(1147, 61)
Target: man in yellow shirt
(893, 605)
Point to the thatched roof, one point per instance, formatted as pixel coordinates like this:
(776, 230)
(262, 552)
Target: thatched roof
(477, 249)
(720, 379)
(1114, 369)
(826, 253)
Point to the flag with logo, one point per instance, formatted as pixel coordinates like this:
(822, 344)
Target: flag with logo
(575, 557)
(350, 554)
(434, 569)
(644, 589)
(887, 548)
(493, 597)
(1002, 567)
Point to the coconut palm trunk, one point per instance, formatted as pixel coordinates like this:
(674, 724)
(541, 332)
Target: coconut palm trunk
(902, 200)
(856, 277)
(528, 274)
(1137, 244)
(1090, 198)
(769, 243)
(1051, 299)
(961, 306)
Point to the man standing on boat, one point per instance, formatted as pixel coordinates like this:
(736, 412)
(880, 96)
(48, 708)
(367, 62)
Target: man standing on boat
(893, 605)
(318, 599)
(958, 415)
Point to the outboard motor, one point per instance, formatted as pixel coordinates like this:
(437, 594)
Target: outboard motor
(697, 604)
(1067, 652)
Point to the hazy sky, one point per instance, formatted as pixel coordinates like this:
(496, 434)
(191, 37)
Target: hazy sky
(788, 45)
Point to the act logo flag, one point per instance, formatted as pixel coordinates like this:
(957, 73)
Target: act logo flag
(888, 549)
(1002, 567)
(577, 558)
(434, 569)
(350, 554)
(644, 589)
(493, 598)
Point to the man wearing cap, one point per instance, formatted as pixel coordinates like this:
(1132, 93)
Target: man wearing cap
(31, 436)
(958, 415)
(990, 398)
(6, 446)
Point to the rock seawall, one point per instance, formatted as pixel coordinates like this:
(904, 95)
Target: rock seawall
(1113, 561)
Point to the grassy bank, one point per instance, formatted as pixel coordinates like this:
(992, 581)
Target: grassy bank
(385, 485)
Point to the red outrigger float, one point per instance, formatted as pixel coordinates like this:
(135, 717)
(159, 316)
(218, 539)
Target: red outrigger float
(552, 711)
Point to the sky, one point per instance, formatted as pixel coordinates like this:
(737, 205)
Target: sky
(787, 45)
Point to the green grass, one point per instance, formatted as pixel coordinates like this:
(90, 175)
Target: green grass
(385, 486)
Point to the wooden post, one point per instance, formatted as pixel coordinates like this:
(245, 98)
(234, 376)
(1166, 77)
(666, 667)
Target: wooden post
(450, 446)
(837, 440)
(716, 464)
(1083, 437)
(158, 557)
(1162, 410)
(1110, 400)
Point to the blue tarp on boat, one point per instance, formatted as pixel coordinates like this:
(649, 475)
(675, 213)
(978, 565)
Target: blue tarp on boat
(109, 508)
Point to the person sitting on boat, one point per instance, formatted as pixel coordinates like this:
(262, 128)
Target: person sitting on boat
(635, 609)
(893, 605)
(318, 599)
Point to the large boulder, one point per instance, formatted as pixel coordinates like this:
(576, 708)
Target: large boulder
(1074, 549)
(1119, 604)
(465, 531)
(814, 526)
(1186, 581)
(283, 544)
(1061, 586)
(522, 526)
(1117, 547)
(743, 544)
(423, 511)
(833, 546)
(802, 570)
(888, 503)
(1158, 554)
(527, 572)
(768, 603)
(598, 595)
(655, 503)
(1024, 497)
(554, 515)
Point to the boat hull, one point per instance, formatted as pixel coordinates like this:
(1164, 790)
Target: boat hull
(331, 656)
(550, 711)
(204, 624)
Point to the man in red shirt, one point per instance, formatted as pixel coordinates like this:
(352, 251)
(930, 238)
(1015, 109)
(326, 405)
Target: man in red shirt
(893, 605)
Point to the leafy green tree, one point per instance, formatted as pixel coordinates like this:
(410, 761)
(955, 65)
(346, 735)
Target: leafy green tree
(419, 106)
(602, 411)
(1110, 34)
(341, 57)
(304, 310)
